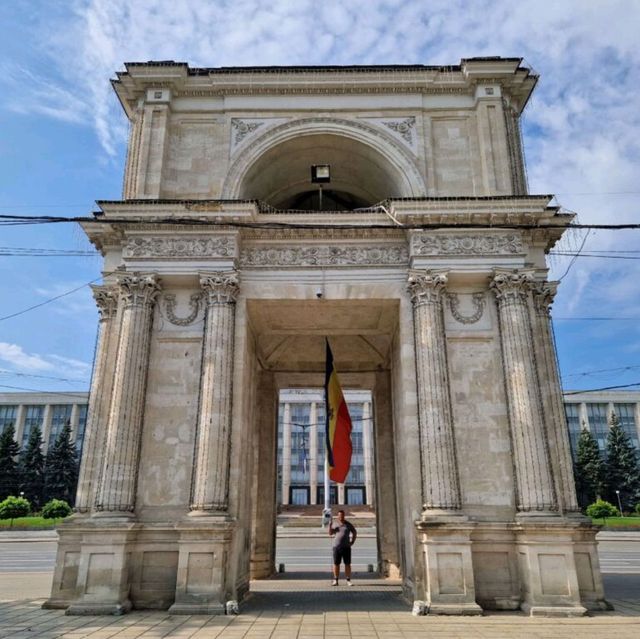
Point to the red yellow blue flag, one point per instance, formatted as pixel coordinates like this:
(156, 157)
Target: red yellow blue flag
(338, 424)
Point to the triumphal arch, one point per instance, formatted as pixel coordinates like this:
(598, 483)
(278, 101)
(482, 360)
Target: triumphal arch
(416, 250)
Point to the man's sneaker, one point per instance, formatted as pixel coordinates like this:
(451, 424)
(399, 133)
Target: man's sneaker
(349, 582)
(334, 582)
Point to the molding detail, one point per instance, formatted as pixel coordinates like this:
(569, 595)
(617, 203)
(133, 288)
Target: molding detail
(170, 307)
(511, 286)
(543, 296)
(179, 248)
(478, 300)
(354, 255)
(403, 127)
(426, 287)
(220, 288)
(138, 290)
(494, 244)
(106, 298)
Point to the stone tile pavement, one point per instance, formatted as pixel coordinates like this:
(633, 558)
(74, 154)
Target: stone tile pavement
(302, 608)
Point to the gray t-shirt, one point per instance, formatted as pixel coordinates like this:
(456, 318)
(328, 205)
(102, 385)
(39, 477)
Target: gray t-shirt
(341, 534)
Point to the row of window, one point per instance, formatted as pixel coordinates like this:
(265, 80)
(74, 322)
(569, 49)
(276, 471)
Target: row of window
(34, 417)
(353, 495)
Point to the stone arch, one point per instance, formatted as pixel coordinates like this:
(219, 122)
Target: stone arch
(393, 162)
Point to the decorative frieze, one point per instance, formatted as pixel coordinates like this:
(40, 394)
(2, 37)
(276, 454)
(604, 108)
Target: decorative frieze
(242, 128)
(404, 128)
(336, 255)
(534, 482)
(440, 489)
(170, 307)
(478, 301)
(166, 247)
(426, 244)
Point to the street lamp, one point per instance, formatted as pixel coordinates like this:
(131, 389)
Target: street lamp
(320, 174)
(619, 503)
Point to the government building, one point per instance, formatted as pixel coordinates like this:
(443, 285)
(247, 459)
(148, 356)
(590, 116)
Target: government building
(266, 210)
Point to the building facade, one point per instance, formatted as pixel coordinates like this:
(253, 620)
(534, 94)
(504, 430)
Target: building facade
(268, 209)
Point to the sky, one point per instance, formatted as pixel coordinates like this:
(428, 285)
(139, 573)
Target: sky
(63, 143)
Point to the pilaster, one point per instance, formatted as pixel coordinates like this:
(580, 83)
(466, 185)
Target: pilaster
(106, 298)
(313, 453)
(286, 453)
(367, 453)
(210, 488)
(116, 495)
(535, 490)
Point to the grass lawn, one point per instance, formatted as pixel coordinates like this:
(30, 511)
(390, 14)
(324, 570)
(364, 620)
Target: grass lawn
(619, 522)
(29, 523)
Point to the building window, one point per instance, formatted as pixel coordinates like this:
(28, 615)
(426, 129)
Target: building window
(34, 416)
(572, 411)
(598, 424)
(299, 495)
(82, 424)
(8, 416)
(354, 495)
(627, 420)
(60, 415)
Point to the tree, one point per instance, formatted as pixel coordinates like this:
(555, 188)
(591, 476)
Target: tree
(9, 476)
(589, 469)
(61, 468)
(56, 509)
(14, 507)
(601, 510)
(623, 473)
(31, 468)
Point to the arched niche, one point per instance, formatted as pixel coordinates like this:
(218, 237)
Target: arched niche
(367, 166)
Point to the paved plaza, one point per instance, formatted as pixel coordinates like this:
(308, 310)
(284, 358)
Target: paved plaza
(300, 603)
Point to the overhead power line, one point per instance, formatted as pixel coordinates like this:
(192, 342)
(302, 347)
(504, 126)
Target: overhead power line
(604, 388)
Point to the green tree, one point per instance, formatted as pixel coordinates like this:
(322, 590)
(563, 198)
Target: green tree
(56, 509)
(601, 510)
(589, 469)
(31, 468)
(14, 507)
(9, 475)
(61, 468)
(623, 473)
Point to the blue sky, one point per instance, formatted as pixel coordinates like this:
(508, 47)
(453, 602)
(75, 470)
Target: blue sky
(63, 136)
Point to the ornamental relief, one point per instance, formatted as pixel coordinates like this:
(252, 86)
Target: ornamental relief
(170, 308)
(179, 248)
(477, 301)
(268, 256)
(504, 244)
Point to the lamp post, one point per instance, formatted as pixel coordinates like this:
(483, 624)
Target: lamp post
(320, 174)
(619, 503)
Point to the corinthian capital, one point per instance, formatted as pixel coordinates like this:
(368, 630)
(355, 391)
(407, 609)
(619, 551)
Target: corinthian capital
(543, 296)
(511, 286)
(106, 298)
(138, 290)
(426, 287)
(220, 288)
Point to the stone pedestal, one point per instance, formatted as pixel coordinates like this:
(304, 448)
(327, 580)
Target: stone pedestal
(446, 544)
(204, 549)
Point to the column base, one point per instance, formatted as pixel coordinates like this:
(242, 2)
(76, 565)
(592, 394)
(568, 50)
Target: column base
(96, 608)
(553, 611)
(466, 610)
(205, 608)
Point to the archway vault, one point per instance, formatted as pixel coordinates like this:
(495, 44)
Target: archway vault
(367, 165)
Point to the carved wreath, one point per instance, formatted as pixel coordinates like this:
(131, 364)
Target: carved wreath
(170, 307)
(478, 300)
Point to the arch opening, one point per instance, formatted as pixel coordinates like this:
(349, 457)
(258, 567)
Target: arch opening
(360, 174)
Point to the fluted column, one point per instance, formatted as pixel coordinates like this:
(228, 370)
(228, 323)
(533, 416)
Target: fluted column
(551, 392)
(440, 488)
(106, 298)
(535, 491)
(137, 295)
(313, 453)
(210, 488)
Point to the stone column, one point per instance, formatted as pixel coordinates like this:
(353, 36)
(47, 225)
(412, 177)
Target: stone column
(46, 428)
(341, 494)
(535, 491)
(210, 488)
(98, 410)
(367, 453)
(116, 495)
(551, 392)
(313, 453)
(286, 453)
(440, 488)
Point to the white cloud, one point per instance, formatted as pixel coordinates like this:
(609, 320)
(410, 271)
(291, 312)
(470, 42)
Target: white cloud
(14, 355)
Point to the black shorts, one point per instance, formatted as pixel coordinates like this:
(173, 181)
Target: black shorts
(342, 554)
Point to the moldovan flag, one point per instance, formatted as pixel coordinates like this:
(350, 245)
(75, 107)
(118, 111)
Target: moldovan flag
(338, 424)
